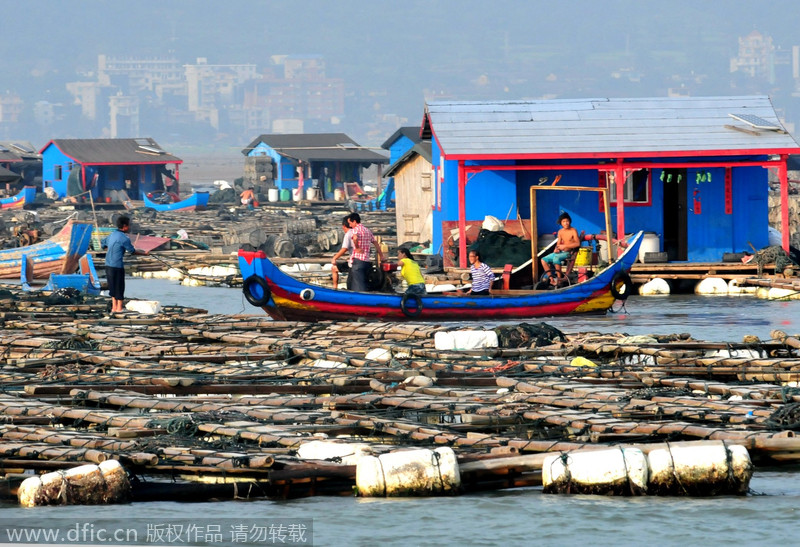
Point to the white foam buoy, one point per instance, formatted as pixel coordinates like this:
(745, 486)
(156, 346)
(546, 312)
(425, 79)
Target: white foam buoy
(735, 287)
(345, 453)
(777, 293)
(381, 355)
(712, 286)
(144, 307)
(465, 339)
(84, 485)
(702, 470)
(621, 471)
(420, 472)
(654, 287)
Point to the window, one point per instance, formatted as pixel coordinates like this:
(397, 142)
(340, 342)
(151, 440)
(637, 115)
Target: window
(635, 192)
(57, 172)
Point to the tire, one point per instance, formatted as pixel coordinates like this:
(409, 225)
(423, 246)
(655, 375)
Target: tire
(627, 286)
(261, 295)
(375, 279)
(414, 311)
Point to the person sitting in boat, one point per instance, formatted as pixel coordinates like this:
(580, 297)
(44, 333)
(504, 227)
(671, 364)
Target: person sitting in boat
(482, 275)
(347, 245)
(567, 241)
(410, 271)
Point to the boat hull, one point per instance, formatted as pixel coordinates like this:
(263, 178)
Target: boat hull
(286, 298)
(198, 200)
(59, 254)
(26, 196)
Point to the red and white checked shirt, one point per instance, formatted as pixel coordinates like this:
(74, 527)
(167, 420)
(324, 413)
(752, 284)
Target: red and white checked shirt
(364, 240)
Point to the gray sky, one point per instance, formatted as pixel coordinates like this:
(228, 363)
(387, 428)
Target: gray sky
(392, 55)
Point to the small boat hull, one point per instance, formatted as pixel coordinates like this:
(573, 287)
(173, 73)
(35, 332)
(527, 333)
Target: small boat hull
(285, 298)
(26, 196)
(59, 254)
(198, 200)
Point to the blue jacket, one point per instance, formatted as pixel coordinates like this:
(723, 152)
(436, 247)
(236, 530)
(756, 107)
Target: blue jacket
(117, 243)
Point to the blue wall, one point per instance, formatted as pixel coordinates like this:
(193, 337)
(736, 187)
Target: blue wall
(399, 147)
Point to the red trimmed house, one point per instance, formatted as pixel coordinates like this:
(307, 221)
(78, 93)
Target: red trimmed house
(694, 169)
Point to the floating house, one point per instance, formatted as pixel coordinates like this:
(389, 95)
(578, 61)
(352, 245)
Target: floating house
(411, 173)
(693, 170)
(288, 161)
(22, 159)
(104, 166)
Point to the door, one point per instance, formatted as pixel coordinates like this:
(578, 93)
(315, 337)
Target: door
(675, 214)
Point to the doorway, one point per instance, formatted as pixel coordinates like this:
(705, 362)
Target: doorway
(675, 214)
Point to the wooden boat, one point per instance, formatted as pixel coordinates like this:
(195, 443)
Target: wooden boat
(26, 196)
(285, 298)
(59, 254)
(198, 200)
(85, 281)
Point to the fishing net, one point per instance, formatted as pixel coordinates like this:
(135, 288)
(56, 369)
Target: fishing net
(528, 335)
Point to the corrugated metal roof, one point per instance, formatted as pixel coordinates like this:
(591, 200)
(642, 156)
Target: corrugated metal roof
(614, 126)
(318, 147)
(111, 151)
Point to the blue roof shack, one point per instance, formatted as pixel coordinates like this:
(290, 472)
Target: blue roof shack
(693, 169)
(138, 166)
(329, 159)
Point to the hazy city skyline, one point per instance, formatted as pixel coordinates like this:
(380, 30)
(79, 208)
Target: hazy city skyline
(391, 57)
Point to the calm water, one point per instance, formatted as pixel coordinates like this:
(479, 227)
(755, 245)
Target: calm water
(512, 517)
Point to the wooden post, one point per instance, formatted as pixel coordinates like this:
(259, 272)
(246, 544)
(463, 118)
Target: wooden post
(534, 238)
(785, 226)
(619, 175)
(462, 215)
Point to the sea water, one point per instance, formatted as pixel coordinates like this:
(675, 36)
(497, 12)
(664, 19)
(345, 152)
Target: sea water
(769, 515)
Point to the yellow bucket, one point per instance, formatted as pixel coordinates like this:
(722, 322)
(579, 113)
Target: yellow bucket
(584, 257)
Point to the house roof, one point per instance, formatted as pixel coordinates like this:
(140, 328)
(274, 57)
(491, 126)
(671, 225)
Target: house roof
(17, 151)
(623, 127)
(114, 151)
(317, 147)
(8, 176)
(410, 132)
(420, 149)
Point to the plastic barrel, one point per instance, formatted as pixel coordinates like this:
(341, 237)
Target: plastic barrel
(701, 470)
(584, 257)
(650, 244)
(421, 472)
(272, 195)
(285, 194)
(338, 194)
(622, 471)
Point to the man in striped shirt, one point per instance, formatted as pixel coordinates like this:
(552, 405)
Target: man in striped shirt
(363, 243)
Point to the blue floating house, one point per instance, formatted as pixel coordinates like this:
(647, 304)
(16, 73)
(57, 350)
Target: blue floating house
(693, 170)
(102, 166)
(329, 159)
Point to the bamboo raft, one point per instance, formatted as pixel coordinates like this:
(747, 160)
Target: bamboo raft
(198, 406)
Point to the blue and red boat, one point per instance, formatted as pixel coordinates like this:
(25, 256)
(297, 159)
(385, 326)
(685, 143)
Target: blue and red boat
(284, 297)
(26, 196)
(198, 200)
(59, 254)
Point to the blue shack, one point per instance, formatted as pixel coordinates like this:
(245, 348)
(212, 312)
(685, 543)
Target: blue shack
(138, 166)
(693, 170)
(329, 160)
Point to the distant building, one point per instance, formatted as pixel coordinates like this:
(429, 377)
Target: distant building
(101, 166)
(323, 160)
(756, 57)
